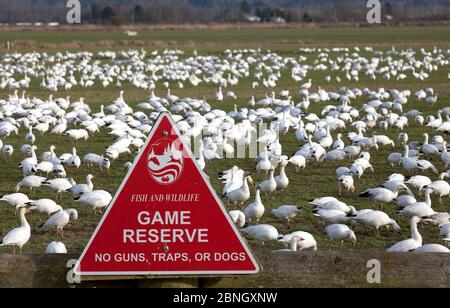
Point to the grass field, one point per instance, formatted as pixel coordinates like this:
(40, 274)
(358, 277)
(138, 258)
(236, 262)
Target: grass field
(312, 183)
(278, 39)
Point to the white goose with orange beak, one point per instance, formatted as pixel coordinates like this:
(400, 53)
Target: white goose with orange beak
(18, 237)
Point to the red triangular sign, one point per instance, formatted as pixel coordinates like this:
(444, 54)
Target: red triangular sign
(166, 219)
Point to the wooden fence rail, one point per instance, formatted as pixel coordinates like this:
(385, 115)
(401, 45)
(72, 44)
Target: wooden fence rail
(305, 269)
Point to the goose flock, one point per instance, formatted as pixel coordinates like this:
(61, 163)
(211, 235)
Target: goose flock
(339, 130)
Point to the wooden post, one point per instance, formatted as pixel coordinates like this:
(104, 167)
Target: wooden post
(7, 45)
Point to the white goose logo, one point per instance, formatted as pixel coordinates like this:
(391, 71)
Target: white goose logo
(165, 161)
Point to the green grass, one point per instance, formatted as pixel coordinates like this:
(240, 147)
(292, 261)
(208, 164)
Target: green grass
(376, 35)
(312, 183)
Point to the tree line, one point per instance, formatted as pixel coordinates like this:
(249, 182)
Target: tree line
(204, 11)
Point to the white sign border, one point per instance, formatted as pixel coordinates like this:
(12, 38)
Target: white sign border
(161, 116)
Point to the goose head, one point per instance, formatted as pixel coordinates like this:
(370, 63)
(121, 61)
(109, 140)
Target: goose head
(401, 187)
(352, 212)
(443, 175)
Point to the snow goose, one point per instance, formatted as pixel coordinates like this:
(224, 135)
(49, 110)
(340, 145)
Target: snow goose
(268, 186)
(381, 195)
(292, 244)
(346, 182)
(337, 205)
(445, 155)
(334, 155)
(338, 144)
(429, 149)
(410, 244)
(17, 200)
(33, 159)
(30, 137)
(419, 209)
(264, 165)
(418, 182)
(364, 163)
(444, 231)
(327, 140)
(18, 237)
(405, 200)
(25, 149)
(59, 220)
(58, 185)
(377, 219)
(45, 167)
(299, 161)
(238, 194)
(104, 164)
(219, 95)
(232, 178)
(438, 219)
(32, 182)
(282, 180)
(432, 248)
(74, 160)
(426, 165)
(238, 217)
(356, 170)
(402, 139)
(395, 177)
(340, 232)
(96, 200)
(440, 188)
(255, 210)
(91, 160)
(7, 151)
(79, 189)
(56, 248)
(395, 159)
(384, 140)
(333, 216)
(305, 240)
(262, 233)
(323, 200)
(77, 134)
(409, 163)
(51, 156)
(301, 134)
(28, 169)
(286, 212)
(46, 206)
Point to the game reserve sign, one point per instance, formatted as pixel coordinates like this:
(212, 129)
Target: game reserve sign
(166, 219)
